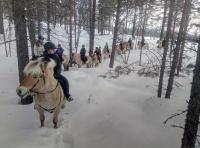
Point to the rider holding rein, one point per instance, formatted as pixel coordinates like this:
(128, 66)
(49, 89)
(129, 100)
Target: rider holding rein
(50, 53)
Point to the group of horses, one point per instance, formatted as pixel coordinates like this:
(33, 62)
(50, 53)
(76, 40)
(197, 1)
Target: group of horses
(47, 92)
(121, 48)
(92, 59)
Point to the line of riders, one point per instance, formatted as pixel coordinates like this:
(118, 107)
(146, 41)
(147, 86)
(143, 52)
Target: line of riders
(93, 59)
(50, 51)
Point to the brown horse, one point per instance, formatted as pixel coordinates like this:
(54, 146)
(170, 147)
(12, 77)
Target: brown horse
(46, 90)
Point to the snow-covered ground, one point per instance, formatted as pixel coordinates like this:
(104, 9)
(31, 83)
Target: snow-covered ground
(105, 113)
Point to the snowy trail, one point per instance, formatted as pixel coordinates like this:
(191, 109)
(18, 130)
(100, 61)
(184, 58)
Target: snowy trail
(106, 113)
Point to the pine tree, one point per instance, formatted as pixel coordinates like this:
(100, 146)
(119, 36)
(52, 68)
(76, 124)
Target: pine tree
(164, 20)
(192, 117)
(92, 24)
(181, 37)
(21, 35)
(168, 34)
(115, 34)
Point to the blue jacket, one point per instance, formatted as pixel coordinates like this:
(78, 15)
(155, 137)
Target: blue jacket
(59, 51)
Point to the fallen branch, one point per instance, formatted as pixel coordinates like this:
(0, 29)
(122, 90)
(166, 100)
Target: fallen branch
(174, 115)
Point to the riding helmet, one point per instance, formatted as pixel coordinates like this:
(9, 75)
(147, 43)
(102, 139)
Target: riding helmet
(49, 45)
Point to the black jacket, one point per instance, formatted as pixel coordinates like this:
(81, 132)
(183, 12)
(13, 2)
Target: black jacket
(82, 52)
(55, 57)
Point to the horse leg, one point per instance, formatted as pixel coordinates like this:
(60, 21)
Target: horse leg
(66, 67)
(42, 117)
(55, 118)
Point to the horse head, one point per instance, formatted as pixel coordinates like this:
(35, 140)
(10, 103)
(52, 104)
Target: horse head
(36, 74)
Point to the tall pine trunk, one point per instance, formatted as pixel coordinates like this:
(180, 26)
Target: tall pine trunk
(181, 36)
(134, 22)
(173, 31)
(2, 31)
(143, 31)
(192, 117)
(179, 66)
(21, 35)
(109, 22)
(1, 18)
(39, 19)
(115, 34)
(164, 20)
(48, 20)
(180, 59)
(92, 26)
(31, 23)
(9, 34)
(75, 25)
(168, 34)
(126, 23)
(70, 29)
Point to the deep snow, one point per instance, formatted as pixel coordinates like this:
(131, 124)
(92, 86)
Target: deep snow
(106, 113)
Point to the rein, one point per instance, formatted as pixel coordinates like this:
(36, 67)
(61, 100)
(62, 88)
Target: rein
(37, 92)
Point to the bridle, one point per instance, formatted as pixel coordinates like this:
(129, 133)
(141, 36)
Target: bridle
(37, 92)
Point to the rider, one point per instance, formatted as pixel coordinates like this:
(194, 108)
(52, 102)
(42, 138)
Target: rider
(163, 43)
(130, 43)
(98, 53)
(82, 53)
(38, 48)
(120, 46)
(59, 51)
(50, 53)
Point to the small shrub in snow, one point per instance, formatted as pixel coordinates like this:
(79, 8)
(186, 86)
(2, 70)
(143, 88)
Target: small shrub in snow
(119, 70)
(148, 72)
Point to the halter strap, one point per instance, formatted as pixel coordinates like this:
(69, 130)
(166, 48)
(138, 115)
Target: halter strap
(37, 92)
(35, 85)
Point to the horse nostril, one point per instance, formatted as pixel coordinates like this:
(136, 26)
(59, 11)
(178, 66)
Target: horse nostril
(19, 92)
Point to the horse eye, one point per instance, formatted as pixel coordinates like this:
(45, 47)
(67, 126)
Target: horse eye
(34, 76)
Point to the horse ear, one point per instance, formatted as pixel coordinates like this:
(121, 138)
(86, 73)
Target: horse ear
(43, 66)
(30, 66)
(44, 63)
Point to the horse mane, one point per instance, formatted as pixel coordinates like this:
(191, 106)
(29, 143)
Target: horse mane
(35, 67)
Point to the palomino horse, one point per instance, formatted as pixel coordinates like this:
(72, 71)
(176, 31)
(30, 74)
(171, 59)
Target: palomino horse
(94, 60)
(91, 60)
(106, 53)
(122, 47)
(46, 90)
(65, 62)
(145, 46)
(159, 44)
